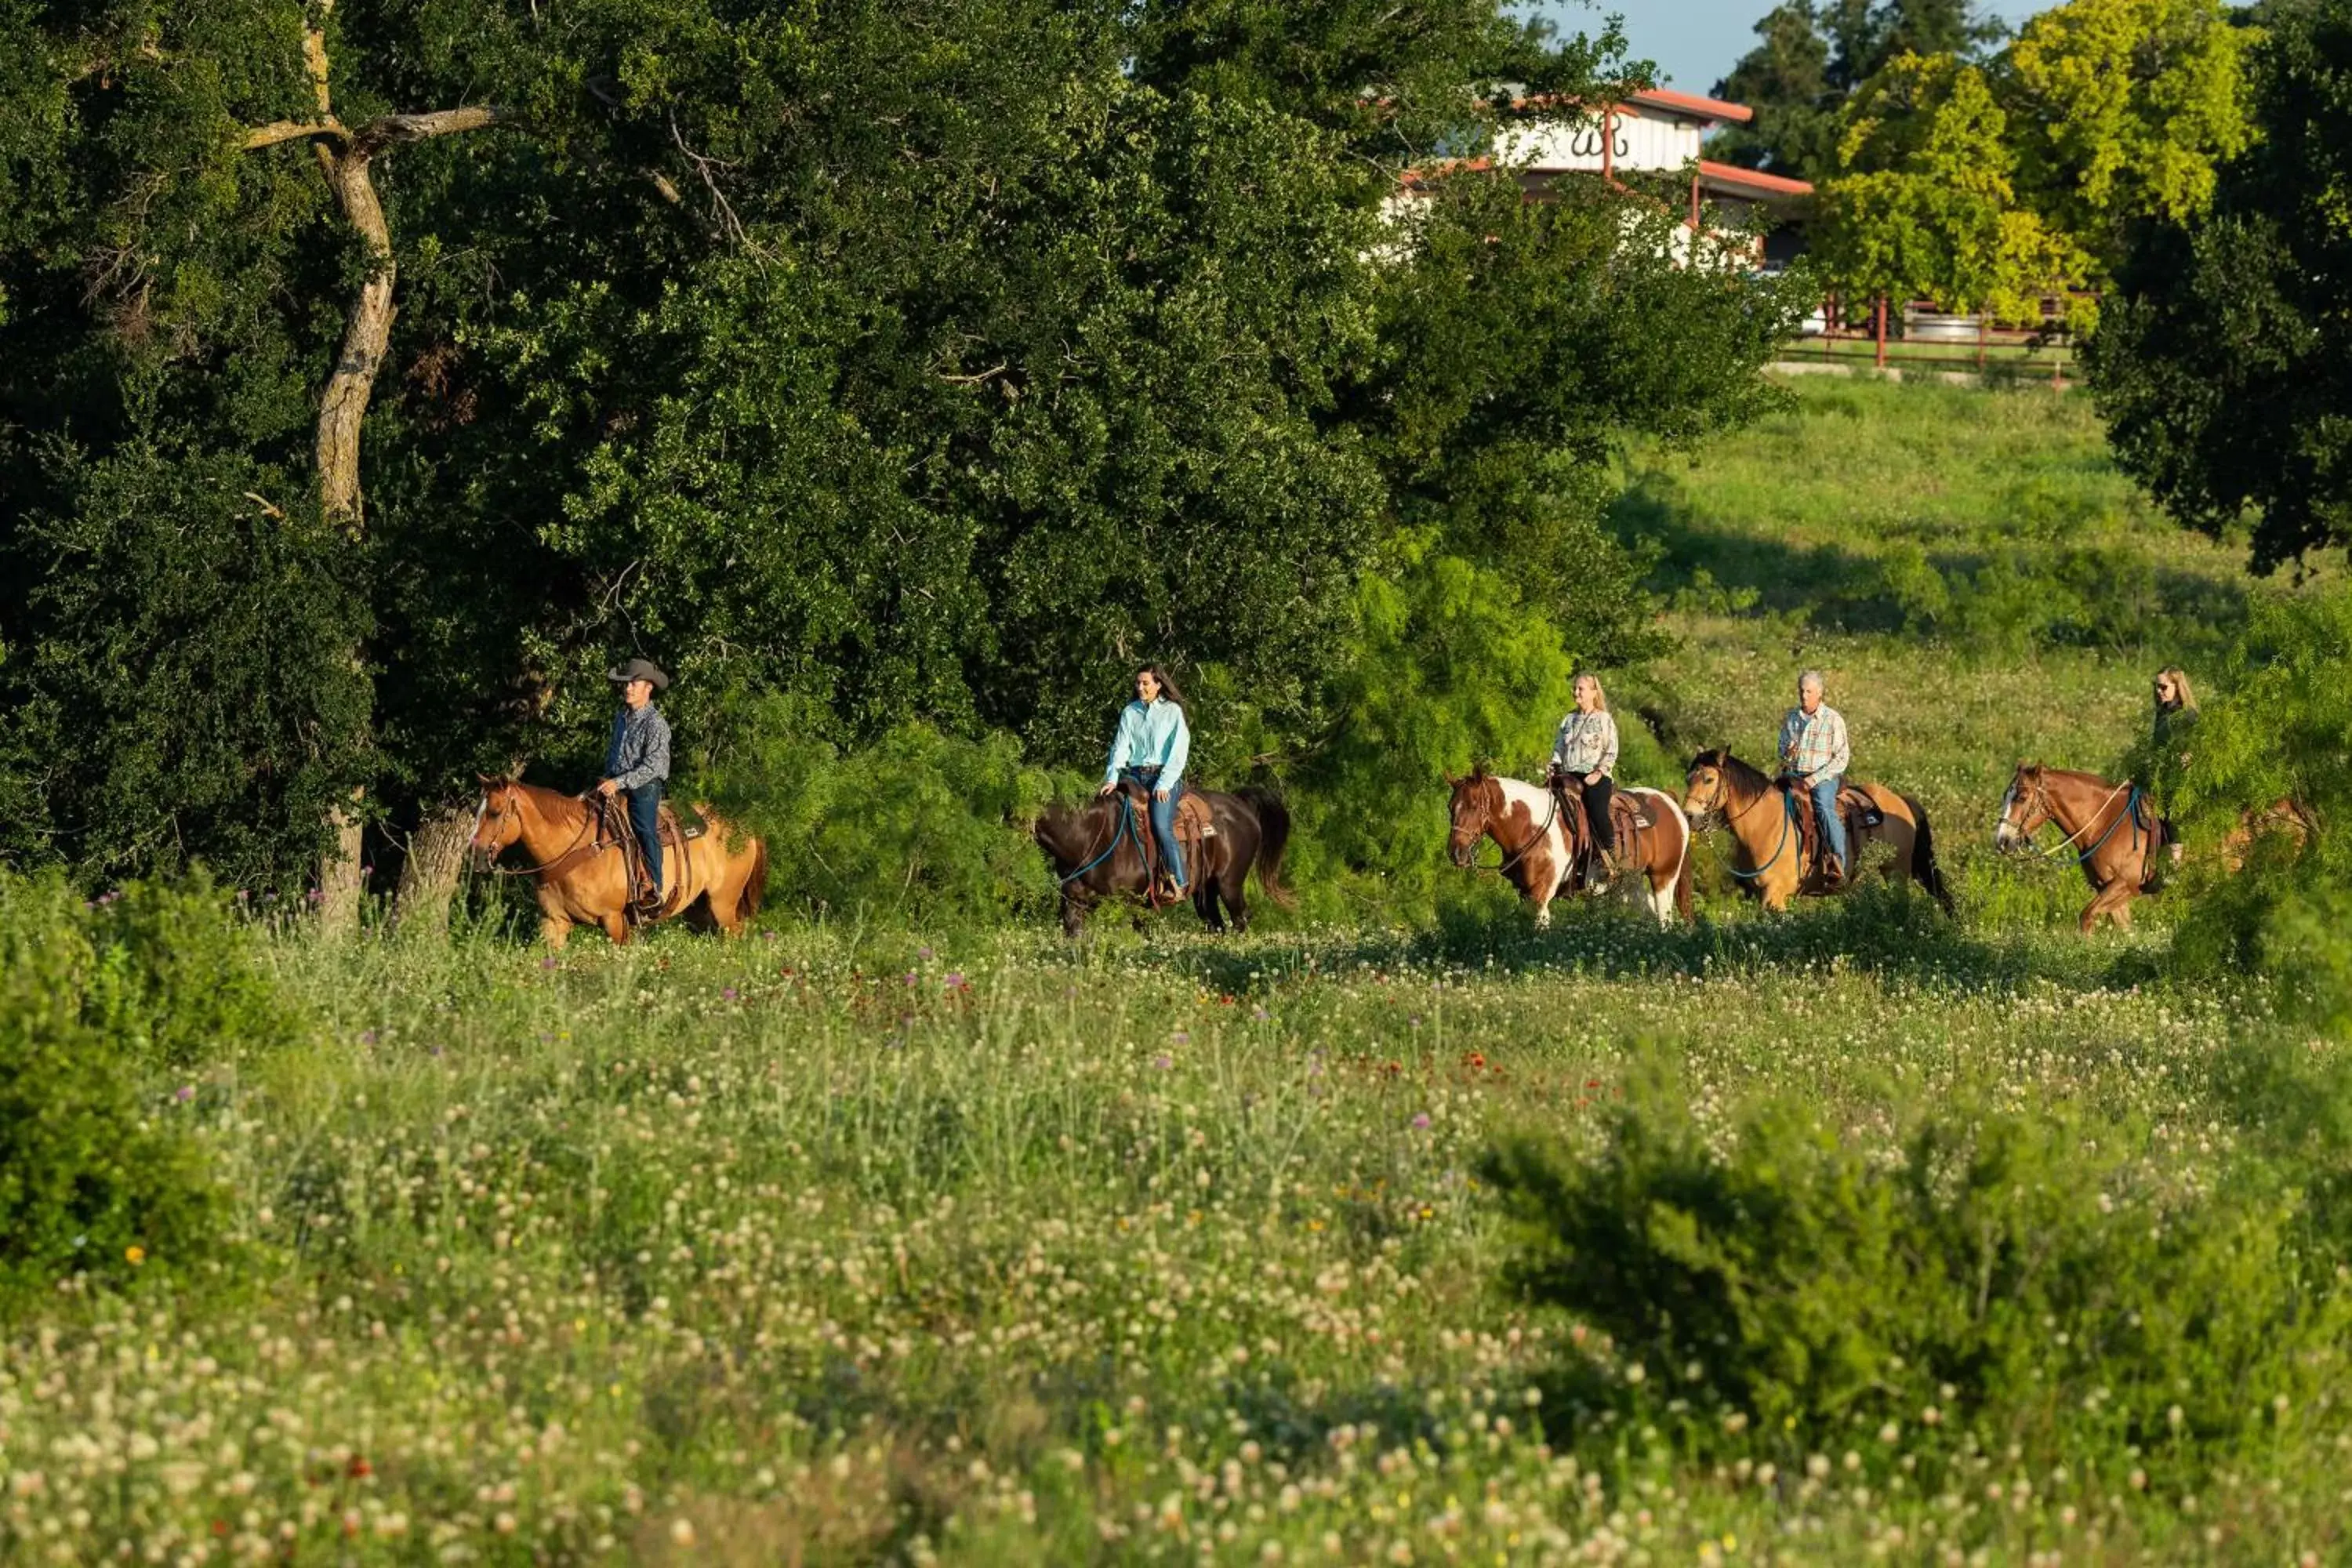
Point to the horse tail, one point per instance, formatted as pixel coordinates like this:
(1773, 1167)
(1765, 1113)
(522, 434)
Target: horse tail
(1273, 838)
(1924, 869)
(746, 902)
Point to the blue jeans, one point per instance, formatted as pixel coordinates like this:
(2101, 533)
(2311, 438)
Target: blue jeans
(1163, 818)
(644, 816)
(1824, 792)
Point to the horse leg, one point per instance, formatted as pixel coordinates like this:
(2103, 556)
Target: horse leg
(1232, 887)
(1074, 915)
(1662, 898)
(1205, 900)
(554, 931)
(616, 927)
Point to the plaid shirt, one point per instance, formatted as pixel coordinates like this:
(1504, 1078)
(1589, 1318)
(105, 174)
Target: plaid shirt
(1813, 746)
(1587, 745)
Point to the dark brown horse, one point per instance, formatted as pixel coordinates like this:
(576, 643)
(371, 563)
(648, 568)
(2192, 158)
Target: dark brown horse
(2111, 829)
(583, 878)
(1097, 853)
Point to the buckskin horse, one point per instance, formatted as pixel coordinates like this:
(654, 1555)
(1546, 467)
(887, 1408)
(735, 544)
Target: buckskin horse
(2111, 829)
(1526, 823)
(1767, 824)
(1097, 853)
(584, 873)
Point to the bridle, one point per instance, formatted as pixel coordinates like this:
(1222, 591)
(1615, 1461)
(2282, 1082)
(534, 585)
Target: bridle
(1723, 788)
(509, 813)
(1487, 829)
(2034, 809)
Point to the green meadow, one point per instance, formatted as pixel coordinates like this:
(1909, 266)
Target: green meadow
(1856, 1235)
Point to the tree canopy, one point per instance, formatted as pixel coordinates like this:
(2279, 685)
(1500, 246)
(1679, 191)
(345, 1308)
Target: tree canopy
(2223, 362)
(917, 363)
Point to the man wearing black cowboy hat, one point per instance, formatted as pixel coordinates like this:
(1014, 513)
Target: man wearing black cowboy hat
(637, 763)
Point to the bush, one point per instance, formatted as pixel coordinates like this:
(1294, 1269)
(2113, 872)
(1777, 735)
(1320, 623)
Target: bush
(2018, 1276)
(2280, 734)
(920, 825)
(91, 1181)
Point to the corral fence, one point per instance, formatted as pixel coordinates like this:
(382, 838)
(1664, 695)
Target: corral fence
(1923, 335)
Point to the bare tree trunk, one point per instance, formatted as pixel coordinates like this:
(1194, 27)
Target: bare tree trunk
(428, 881)
(344, 157)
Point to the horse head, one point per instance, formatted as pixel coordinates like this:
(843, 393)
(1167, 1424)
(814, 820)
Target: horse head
(497, 819)
(2023, 808)
(1477, 802)
(1707, 785)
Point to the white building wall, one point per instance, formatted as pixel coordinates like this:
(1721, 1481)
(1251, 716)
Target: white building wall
(1640, 144)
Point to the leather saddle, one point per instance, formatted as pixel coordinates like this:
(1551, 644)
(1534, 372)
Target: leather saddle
(1625, 815)
(675, 832)
(1195, 826)
(1861, 813)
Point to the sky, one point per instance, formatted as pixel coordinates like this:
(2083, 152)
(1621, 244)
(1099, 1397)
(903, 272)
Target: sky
(1695, 42)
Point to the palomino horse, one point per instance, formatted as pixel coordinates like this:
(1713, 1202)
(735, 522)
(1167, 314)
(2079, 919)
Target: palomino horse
(2112, 832)
(1098, 854)
(1526, 822)
(1767, 844)
(583, 878)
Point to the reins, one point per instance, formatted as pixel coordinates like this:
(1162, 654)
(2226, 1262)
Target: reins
(574, 849)
(2130, 812)
(1788, 823)
(1118, 822)
(1513, 858)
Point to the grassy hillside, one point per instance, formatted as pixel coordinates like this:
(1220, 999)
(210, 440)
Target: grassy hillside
(1974, 577)
(1880, 1238)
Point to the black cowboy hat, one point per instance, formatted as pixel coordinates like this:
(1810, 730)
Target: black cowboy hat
(639, 669)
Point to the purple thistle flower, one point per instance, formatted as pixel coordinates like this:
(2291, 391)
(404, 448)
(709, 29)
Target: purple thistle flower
(1163, 1061)
(547, 964)
(184, 1093)
(955, 981)
(729, 992)
(1421, 1121)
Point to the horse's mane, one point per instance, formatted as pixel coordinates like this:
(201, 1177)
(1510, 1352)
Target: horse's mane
(1748, 781)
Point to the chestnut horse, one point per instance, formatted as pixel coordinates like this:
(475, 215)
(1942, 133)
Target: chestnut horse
(583, 878)
(1098, 854)
(2112, 832)
(1767, 849)
(1526, 821)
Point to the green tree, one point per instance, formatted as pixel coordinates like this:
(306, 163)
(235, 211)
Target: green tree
(2126, 110)
(2220, 361)
(1925, 204)
(1812, 55)
(918, 362)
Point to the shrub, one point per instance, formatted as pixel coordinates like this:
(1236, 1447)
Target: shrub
(920, 825)
(90, 1181)
(176, 980)
(2017, 1275)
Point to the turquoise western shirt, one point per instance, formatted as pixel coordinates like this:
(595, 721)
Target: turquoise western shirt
(1152, 737)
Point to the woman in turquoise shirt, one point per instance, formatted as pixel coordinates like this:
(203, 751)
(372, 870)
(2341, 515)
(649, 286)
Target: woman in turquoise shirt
(1149, 750)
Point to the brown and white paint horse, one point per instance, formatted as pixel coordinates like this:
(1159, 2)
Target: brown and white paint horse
(1768, 854)
(583, 878)
(2111, 831)
(1524, 821)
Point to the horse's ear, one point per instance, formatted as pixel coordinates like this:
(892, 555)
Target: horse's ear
(489, 779)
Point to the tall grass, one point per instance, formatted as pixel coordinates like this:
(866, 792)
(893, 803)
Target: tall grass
(852, 1243)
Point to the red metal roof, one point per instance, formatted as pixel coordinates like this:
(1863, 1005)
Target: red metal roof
(1752, 180)
(1692, 104)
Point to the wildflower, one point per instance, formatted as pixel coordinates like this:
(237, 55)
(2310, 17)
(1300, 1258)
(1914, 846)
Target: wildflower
(547, 964)
(955, 980)
(136, 1254)
(681, 1531)
(184, 1093)
(729, 992)
(1421, 1121)
(1163, 1061)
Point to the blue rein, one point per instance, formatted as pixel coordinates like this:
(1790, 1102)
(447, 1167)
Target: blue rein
(1122, 813)
(1788, 823)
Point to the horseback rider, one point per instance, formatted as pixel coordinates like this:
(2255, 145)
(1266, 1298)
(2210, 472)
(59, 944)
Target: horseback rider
(1815, 756)
(1585, 756)
(636, 764)
(2158, 767)
(1149, 751)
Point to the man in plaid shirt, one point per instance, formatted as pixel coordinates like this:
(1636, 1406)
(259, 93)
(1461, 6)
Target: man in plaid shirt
(1815, 754)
